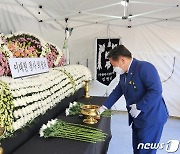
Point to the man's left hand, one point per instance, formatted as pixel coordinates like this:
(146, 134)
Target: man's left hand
(134, 111)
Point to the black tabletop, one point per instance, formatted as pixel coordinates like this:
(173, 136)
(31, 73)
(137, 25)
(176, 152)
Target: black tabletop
(37, 145)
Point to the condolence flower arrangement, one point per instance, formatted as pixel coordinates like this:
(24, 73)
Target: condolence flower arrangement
(23, 45)
(35, 95)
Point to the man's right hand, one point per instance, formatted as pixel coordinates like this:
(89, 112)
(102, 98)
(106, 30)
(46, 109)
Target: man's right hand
(101, 109)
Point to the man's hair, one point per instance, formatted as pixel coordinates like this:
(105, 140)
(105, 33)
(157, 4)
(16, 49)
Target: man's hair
(120, 50)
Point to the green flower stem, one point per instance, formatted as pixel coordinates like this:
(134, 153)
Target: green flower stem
(75, 138)
(85, 135)
(82, 126)
(81, 131)
(78, 133)
(73, 135)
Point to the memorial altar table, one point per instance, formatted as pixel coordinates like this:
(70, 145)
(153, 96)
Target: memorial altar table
(38, 145)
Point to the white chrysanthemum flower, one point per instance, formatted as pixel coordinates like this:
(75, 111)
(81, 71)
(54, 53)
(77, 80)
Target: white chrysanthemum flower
(48, 124)
(16, 114)
(41, 133)
(74, 103)
(67, 111)
(16, 126)
(70, 105)
(53, 121)
(44, 126)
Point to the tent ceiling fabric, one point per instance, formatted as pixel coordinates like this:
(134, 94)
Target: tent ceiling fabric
(94, 11)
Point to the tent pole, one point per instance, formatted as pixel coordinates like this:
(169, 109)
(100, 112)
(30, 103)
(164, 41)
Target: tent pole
(8, 3)
(169, 19)
(133, 16)
(150, 12)
(102, 7)
(160, 20)
(103, 15)
(151, 3)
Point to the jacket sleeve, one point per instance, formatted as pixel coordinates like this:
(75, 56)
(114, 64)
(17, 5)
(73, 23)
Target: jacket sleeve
(150, 78)
(114, 96)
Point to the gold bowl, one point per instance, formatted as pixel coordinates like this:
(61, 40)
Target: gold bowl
(91, 113)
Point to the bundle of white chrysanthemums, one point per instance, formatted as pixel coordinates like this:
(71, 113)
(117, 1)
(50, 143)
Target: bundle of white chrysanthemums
(45, 126)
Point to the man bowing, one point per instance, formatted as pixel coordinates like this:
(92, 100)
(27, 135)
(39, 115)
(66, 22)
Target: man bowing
(141, 86)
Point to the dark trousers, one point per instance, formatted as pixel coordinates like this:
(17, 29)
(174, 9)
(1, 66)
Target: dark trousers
(146, 135)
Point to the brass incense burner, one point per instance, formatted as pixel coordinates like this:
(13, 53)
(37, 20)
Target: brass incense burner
(91, 113)
(1, 150)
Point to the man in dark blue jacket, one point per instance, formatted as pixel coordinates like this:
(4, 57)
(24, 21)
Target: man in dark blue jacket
(141, 86)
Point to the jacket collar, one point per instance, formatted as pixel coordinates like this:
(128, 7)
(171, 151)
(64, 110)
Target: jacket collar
(129, 65)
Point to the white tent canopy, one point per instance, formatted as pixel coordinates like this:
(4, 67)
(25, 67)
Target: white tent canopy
(150, 29)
